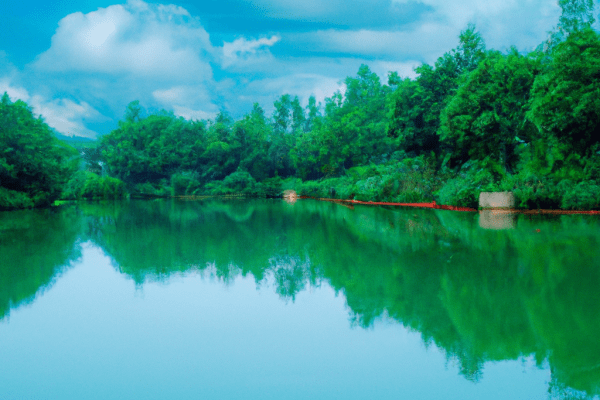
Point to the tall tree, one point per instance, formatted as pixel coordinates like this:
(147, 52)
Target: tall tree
(283, 114)
(485, 119)
(281, 143)
(34, 164)
(576, 15)
(353, 130)
(298, 116)
(416, 105)
(313, 112)
(305, 153)
(566, 97)
(254, 128)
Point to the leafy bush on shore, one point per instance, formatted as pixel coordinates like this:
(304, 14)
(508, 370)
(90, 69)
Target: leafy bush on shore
(87, 185)
(184, 183)
(11, 199)
(408, 180)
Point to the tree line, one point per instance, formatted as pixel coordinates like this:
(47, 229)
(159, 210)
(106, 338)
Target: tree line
(476, 120)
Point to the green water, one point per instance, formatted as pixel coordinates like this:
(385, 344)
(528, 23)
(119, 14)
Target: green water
(260, 299)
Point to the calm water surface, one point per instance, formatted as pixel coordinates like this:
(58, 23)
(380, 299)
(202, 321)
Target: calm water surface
(259, 299)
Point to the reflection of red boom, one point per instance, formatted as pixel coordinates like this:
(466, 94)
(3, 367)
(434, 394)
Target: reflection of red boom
(453, 208)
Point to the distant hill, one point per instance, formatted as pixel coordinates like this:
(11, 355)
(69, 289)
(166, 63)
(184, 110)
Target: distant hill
(76, 141)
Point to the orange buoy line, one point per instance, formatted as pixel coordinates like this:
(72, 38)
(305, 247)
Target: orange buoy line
(372, 203)
(453, 208)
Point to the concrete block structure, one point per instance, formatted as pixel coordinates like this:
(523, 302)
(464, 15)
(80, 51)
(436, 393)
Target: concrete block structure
(496, 200)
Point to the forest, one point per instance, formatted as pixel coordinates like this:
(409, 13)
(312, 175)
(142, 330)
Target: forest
(476, 120)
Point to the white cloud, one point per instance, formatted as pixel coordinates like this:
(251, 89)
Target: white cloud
(190, 114)
(244, 50)
(15, 93)
(502, 23)
(404, 69)
(428, 41)
(183, 94)
(189, 102)
(66, 116)
(134, 38)
(158, 54)
(169, 95)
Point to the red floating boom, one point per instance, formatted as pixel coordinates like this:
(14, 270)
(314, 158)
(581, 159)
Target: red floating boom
(453, 208)
(419, 205)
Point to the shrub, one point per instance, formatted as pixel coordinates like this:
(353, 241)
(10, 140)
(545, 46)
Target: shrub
(464, 190)
(536, 192)
(74, 186)
(11, 199)
(240, 182)
(88, 185)
(112, 188)
(582, 196)
(148, 188)
(184, 183)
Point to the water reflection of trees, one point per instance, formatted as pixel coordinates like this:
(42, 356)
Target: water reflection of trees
(35, 246)
(479, 295)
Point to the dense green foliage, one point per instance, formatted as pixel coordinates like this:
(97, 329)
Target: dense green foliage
(478, 119)
(87, 185)
(36, 168)
(34, 165)
(417, 104)
(485, 118)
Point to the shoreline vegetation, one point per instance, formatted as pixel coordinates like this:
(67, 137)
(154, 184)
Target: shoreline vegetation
(477, 120)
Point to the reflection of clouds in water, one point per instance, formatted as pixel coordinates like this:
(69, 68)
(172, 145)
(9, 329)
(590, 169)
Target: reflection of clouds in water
(226, 275)
(291, 275)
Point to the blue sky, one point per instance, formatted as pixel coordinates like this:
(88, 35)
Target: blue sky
(79, 63)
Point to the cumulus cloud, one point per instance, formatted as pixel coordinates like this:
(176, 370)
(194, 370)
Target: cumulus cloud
(158, 54)
(190, 114)
(66, 116)
(15, 93)
(503, 23)
(425, 42)
(345, 14)
(404, 69)
(190, 102)
(244, 51)
(434, 31)
(134, 38)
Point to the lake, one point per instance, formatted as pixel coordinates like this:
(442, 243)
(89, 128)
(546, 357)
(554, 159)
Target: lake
(261, 299)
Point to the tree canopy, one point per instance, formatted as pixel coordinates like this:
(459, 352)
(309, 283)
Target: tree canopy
(34, 164)
(476, 119)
